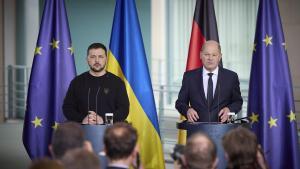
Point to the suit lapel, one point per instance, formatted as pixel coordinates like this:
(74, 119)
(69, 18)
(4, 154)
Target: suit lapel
(218, 87)
(200, 75)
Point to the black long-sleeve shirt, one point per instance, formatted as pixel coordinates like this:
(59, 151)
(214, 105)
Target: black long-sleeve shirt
(104, 94)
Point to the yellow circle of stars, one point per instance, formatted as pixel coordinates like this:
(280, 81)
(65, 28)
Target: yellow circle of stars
(38, 51)
(292, 116)
(272, 122)
(268, 40)
(55, 125)
(54, 44)
(254, 117)
(71, 50)
(37, 122)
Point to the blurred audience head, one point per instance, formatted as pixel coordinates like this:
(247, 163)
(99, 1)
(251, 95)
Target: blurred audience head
(45, 163)
(200, 152)
(242, 150)
(66, 137)
(120, 142)
(80, 159)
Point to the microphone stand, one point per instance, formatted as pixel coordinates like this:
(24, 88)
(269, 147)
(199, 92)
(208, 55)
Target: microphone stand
(97, 104)
(234, 120)
(89, 106)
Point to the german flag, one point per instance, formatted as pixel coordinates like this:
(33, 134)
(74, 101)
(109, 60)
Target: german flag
(204, 28)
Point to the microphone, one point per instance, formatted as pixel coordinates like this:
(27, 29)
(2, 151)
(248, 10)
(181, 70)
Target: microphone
(208, 100)
(209, 110)
(218, 85)
(242, 119)
(88, 106)
(208, 107)
(97, 103)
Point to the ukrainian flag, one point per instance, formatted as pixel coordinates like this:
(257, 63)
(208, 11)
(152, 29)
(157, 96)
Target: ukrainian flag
(127, 59)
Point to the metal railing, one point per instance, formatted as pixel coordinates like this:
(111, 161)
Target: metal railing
(16, 86)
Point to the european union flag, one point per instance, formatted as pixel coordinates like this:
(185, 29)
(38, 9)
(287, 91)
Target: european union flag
(271, 102)
(52, 70)
(127, 59)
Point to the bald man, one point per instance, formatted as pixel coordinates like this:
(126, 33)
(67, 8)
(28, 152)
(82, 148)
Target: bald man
(209, 93)
(200, 152)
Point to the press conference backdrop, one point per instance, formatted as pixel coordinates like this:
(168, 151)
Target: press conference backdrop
(91, 21)
(16, 92)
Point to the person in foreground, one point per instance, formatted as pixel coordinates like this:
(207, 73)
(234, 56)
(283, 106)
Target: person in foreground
(120, 146)
(80, 159)
(209, 93)
(45, 163)
(200, 152)
(66, 137)
(96, 92)
(242, 150)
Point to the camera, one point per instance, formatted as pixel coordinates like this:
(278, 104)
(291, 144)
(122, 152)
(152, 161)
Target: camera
(177, 153)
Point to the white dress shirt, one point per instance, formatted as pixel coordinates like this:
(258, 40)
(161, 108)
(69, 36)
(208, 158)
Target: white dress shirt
(206, 77)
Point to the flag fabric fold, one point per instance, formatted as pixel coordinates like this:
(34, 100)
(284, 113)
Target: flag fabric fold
(204, 28)
(127, 59)
(271, 102)
(52, 70)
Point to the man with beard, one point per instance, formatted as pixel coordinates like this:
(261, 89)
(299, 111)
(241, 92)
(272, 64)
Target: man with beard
(96, 92)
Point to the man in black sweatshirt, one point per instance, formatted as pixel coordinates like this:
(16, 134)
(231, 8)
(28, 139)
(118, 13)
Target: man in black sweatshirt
(96, 92)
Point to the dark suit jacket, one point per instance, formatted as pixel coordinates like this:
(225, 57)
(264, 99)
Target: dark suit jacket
(227, 94)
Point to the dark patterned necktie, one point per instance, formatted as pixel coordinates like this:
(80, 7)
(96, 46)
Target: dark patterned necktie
(210, 90)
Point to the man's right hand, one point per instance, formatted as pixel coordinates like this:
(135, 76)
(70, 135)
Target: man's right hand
(192, 115)
(89, 119)
(92, 118)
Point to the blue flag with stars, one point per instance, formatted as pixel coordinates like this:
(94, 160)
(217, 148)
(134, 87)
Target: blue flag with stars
(271, 102)
(52, 70)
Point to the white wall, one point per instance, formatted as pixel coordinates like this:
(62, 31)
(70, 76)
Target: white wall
(9, 32)
(290, 17)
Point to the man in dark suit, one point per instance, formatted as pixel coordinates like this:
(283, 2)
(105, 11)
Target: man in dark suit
(210, 93)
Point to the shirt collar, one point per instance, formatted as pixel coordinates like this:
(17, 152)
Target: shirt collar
(120, 165)
(215, 72)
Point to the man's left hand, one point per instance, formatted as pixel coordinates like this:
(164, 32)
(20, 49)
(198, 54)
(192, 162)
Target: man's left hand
(223, 114)
(99, 119)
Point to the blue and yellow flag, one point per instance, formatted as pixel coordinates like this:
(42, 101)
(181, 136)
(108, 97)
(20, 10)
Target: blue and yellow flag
(127, 59)
(52, 70)
(271, 102)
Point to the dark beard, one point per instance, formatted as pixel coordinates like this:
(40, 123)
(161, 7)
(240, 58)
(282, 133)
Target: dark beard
(96, 70)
